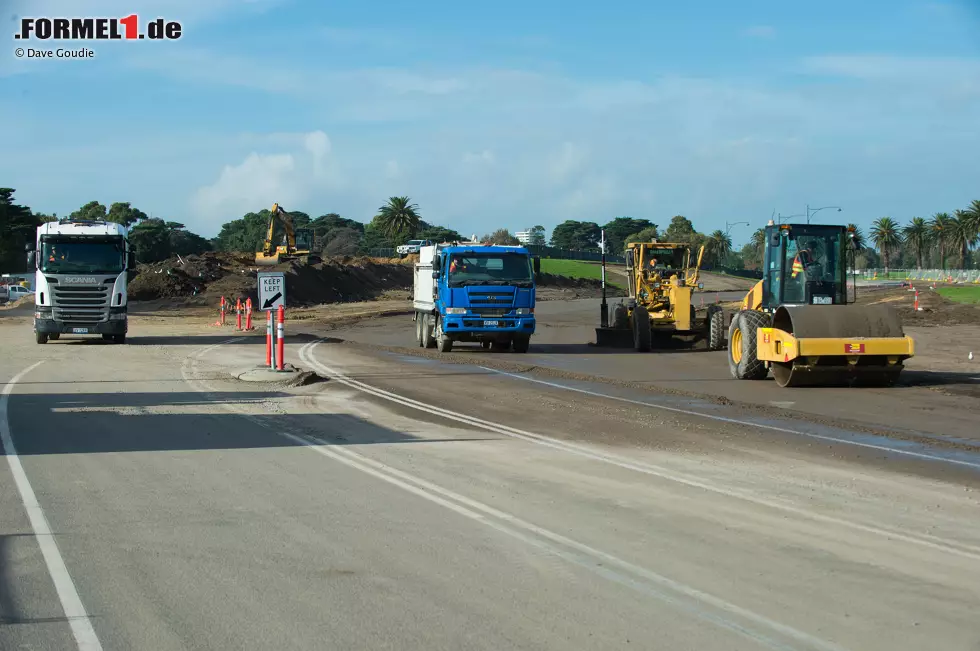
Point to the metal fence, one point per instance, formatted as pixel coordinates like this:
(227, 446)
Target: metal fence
(542, 251)
(958, 276)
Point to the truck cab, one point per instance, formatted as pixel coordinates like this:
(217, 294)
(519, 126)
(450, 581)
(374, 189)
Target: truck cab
(81, 279)
(472, 293)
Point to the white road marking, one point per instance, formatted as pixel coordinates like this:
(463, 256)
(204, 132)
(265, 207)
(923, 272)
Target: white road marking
(784, 405)
(78, 619)
(680, 595)
(926, 540)
(736, 421)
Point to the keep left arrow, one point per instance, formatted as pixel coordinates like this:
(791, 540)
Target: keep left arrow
(268, 303)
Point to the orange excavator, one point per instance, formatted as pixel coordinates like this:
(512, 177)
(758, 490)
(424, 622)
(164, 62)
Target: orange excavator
(297, 243)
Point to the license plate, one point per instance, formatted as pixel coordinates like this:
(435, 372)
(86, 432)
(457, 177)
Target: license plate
(823, 300)
(491, 324)
(80, 331)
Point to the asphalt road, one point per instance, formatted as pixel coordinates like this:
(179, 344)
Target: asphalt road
(405, 503)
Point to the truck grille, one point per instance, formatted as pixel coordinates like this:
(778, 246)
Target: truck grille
(85, 304)
(490, 311)
(490, 299)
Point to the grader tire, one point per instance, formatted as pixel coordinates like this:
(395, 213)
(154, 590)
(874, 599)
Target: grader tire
(641, 329)
(743, 360)
(716, 327)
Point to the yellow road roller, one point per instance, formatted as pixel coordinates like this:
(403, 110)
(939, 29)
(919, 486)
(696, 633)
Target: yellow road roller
(798, 322)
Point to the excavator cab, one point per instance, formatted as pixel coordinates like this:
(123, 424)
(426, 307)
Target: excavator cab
(798, 323)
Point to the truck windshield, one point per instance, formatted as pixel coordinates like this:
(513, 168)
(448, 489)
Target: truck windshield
(82, 255)
(490, 269)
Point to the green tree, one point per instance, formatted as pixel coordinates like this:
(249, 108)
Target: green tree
(398, 219)
(621, 228)
(375, 237)
(885, 234)
(244, 235)
(575, 235)
(537, 236)
(648, 234)
(501, 237)
(857, 241)
(717, 246)
(439, 234)
(942, 233)
(916, 237)
(964, 235)
(680, 230)
(18, 226)
(123, 213)
(331, 220)
(92, 211)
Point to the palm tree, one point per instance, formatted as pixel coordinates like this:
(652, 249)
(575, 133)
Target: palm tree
(399, 218)
(916, 236)
(718, 245)
(942, 226)
(858, 239)
(963, 234)
(884, 232)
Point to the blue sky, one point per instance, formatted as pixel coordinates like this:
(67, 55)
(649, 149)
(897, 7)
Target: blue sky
(505, 115)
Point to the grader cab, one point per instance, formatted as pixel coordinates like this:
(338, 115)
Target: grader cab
(799, 322)
(660, 306)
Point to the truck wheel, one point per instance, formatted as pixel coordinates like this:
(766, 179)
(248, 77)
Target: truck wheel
(418, 329)
(443, 342)
(716, 327)
(41, 338)
(485, 344)
(119, 339)
(521, 344)
(54, 336)
(499, 346)
(427, 339)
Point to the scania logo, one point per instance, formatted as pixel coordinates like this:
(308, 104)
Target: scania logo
(80, 280)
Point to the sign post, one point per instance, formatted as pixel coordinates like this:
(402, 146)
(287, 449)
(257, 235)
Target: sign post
(604, 307)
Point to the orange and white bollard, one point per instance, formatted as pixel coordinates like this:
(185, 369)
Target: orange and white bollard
(280, 343)
(916, 305)
(222, 320)
(238, 314)
(248, 313)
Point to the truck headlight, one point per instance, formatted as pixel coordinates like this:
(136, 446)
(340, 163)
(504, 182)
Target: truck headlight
(121, 316)
(42, 313)
(523, 311)
(455, 310)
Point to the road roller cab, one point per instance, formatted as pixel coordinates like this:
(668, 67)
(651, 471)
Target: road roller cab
(798, 321)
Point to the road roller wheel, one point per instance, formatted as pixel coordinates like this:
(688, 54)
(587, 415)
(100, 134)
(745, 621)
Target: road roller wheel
(743, 359)
(641, 329)
(716, 327)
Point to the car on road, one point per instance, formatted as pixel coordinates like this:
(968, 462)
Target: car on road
(412, 246)
(15, 292)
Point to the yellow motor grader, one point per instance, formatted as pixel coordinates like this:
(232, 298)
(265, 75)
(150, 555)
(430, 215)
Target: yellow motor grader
(297, 243)
(798, 322)
(662, 283)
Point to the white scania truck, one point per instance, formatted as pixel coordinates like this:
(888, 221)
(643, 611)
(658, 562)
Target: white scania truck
(81, 277)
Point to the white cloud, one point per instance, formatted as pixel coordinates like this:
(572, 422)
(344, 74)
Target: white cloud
(760, 31)
(895, 68)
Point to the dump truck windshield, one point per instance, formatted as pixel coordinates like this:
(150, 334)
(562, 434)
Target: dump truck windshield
(490, 269)
(812, 258)
(82, 255)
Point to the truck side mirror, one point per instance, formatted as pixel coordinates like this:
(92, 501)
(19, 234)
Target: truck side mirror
(31, 259)
(437, 264)
(435, 275)
(131, 260)
(774, 239)
(537, 265)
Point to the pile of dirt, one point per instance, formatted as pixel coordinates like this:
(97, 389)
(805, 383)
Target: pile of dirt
(204, 279)
(934, 309)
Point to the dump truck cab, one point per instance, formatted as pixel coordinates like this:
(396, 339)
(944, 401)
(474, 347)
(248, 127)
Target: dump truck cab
(799, 323)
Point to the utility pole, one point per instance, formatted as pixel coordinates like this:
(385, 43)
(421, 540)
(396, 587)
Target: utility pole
(603, 308)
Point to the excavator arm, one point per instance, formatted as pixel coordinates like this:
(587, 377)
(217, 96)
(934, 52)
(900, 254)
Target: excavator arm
(270, 252)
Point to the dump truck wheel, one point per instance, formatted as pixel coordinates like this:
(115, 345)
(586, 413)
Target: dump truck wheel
(41, 338)
(485, 345)
(427, 340)
(443, 342)
(118, 339)
(743, 360)
(641, 329)
(499, 346)
(418, 329)
(716, 327)
(521, 344)
(54, 336)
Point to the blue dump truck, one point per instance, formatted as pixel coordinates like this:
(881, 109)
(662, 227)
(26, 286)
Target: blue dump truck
(475, 293)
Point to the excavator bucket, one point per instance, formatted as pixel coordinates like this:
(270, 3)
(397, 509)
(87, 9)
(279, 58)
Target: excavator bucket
(811, 345)
(264, 260)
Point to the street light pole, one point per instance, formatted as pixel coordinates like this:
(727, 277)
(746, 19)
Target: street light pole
(810, 212)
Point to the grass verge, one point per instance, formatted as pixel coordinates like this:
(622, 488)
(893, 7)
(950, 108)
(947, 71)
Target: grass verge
(958, 294)
(580, 269)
